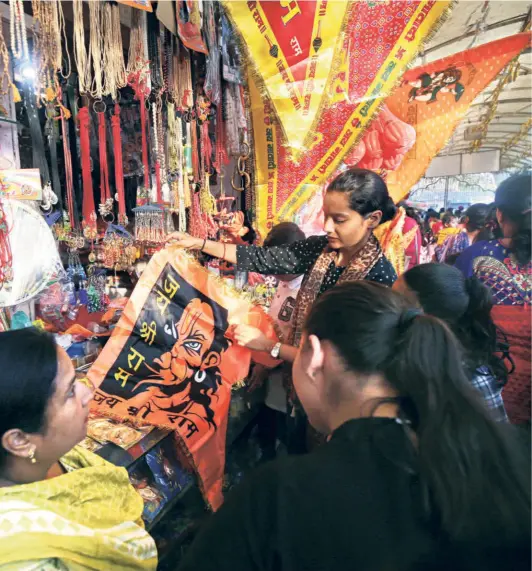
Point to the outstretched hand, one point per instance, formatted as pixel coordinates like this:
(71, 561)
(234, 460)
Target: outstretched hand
(252, 338)
(184, 240)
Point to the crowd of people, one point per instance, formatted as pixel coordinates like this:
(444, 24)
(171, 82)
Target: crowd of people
(403, 404)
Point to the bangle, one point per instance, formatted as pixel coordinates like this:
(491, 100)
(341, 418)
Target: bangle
(224, 252)
(204, 242)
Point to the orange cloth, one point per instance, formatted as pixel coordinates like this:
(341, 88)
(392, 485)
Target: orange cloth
(171, 363)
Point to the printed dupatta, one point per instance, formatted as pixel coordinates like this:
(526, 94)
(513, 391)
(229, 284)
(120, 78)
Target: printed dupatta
(358, 269)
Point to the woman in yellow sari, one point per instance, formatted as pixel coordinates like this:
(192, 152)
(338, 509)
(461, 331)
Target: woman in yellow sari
(61, 507)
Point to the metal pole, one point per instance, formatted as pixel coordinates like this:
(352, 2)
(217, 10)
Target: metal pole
(446, 195)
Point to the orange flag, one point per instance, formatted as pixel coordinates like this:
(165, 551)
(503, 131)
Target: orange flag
(434, 99)
(171, 361)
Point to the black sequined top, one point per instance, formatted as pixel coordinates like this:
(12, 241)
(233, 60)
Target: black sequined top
(299, 258)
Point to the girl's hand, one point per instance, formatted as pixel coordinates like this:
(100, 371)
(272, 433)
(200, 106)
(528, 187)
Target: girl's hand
(252, 338)
(185, 241)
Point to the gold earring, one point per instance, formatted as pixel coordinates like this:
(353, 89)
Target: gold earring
(32, 458)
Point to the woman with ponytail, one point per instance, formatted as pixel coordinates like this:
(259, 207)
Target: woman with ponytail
(414, 467)
(504, 266)
(464, 304)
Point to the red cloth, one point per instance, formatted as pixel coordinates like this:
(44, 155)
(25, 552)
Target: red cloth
(514, 320)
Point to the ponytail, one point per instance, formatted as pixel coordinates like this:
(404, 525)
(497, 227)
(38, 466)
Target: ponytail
(521, 241)
(466, 465)
(513, 200)
(470, 474)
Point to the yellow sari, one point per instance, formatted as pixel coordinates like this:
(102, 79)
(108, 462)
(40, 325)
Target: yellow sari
(88, 518)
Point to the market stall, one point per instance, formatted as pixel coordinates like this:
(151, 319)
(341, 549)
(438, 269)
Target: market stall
(122, 122)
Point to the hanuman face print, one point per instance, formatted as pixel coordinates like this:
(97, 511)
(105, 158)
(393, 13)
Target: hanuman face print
(170, 367)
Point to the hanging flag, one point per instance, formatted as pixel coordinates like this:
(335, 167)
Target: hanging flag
(291, 47)
(435, 98)
(380, 39)
(171, 361)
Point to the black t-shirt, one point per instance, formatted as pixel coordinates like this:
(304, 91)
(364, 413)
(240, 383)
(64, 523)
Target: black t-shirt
(353, 504)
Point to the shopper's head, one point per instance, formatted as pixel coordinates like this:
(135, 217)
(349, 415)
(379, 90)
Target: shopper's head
(355, 203)
(463, 303)
(366, 349)
(284, 234)
(514, 210)
(448, 220)
(43, 410)
(433, 215)
(477, 217)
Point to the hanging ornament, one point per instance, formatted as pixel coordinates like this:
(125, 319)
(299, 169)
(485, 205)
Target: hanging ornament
(113, 55)
(17, 22)
(119, 167)
(69, 179)
(49, 38)
(119, 252)
(95, 46)
(106, 201)
(6, 83)
(149, 225)
(89, 213)
(82, 57)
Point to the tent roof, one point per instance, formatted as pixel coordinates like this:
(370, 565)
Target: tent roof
(473, 23)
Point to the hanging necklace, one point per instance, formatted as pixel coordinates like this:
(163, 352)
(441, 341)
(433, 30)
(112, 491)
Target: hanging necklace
(19, 39)
(6, 82)
(48, 30)
(95, 46)
(82, 58)
(113, 56)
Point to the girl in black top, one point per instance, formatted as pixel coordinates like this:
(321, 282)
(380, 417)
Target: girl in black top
(416, 474)
(356, 202)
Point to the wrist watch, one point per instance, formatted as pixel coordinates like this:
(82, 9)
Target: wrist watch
(275, 352)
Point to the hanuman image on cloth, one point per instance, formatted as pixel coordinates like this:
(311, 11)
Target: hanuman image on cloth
(185, 379)
(427, 86)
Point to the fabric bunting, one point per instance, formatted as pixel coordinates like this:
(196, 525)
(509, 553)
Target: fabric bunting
(434, 99)
(378, 42)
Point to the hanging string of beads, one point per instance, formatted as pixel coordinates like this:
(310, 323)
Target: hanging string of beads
(19, 38)
(82, 57)
(95, 46)
(113, 56)
(6, 82)
(48, 33)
